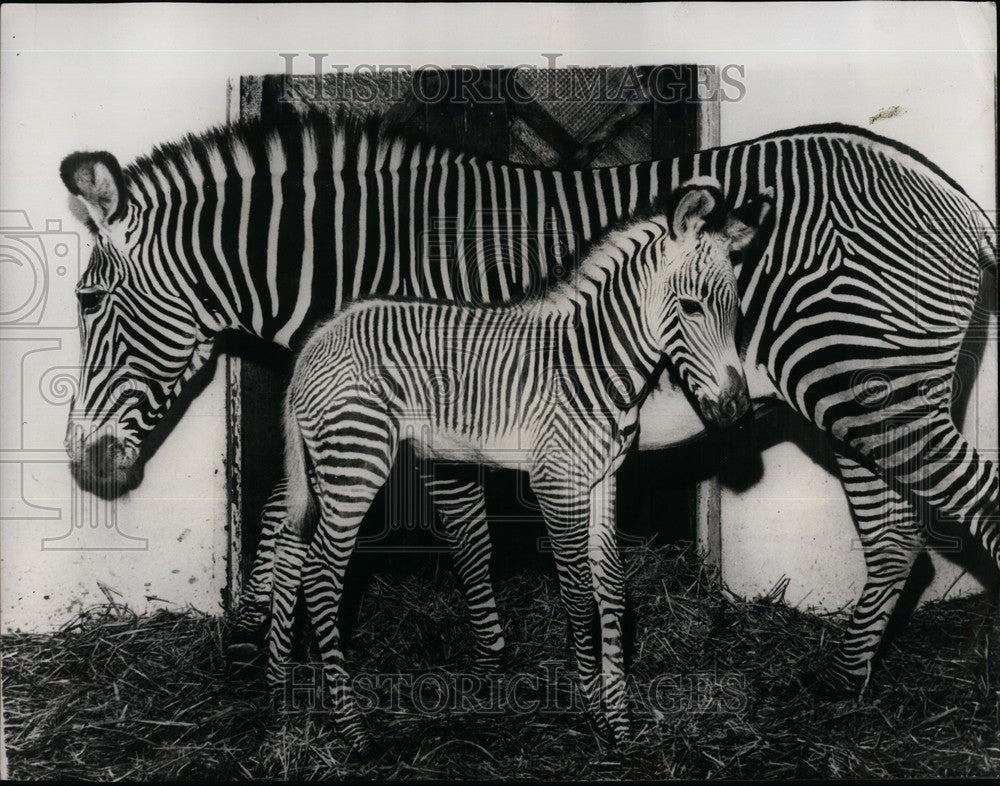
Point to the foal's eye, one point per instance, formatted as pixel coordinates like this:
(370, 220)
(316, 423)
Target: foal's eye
(90, 300)
(691, 307)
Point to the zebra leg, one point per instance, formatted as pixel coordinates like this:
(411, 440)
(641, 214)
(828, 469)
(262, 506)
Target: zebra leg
(289, 556)
(344, 497)
(608, 585)
(585, 594)
(891, 537)
(930, 459)
(255, 598)
(461, 502)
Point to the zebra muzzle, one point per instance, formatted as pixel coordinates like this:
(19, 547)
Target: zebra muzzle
(102, 464)
(732, 403)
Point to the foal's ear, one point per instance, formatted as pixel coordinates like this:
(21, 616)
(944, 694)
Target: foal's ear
(97, 179)
(743, 223)
(694, 206)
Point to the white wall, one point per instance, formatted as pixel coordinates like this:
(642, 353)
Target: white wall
(169, 546)
(122, 77)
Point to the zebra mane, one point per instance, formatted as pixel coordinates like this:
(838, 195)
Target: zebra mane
(661, 209)
(598, 261)
(386, 146)
(604, 254)
(346, 140)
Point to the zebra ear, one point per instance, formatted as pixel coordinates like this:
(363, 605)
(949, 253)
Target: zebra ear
(743, 224)
(97, 179)
(693, 210)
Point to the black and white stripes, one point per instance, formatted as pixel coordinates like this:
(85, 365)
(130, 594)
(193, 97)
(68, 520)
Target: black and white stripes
(853, 310)
(528, 390)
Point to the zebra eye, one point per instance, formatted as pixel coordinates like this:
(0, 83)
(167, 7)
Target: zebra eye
(691, 308)
(90, 300)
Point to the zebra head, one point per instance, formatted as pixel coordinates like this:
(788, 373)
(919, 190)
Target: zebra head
(142, 336)
(700, 304)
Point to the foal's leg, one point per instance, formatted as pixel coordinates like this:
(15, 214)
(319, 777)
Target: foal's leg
(349, 472)
(459, 497)
(608, 585)
(462, 505)
(590, 584)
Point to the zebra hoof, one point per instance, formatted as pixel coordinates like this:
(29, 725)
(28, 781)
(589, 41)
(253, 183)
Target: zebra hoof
(824, 685)
(820, 684)
(615, 732)
(240, 654)
(362, 746)
(486, 665)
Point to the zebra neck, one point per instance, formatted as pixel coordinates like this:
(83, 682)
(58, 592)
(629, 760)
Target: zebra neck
(608, 335)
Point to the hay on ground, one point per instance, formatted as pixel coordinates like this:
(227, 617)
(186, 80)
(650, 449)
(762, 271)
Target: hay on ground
(116, 695)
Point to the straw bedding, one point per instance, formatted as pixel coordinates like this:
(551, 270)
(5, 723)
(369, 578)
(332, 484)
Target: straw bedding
(118, 695)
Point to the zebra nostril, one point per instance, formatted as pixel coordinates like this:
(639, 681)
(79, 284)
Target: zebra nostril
(74, 442)
(102, 456)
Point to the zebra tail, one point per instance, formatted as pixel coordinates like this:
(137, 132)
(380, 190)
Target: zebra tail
(987, 245)
(300, 504)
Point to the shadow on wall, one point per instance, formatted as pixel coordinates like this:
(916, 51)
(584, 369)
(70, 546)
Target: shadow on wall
(741, 465)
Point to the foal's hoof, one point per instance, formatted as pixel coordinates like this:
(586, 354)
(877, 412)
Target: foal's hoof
(362, 746)
(487, 664)
(616, 733)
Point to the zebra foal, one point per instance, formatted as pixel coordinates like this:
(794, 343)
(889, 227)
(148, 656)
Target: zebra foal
(550, 385)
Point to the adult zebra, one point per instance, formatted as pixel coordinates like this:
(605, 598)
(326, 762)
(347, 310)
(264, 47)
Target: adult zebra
(258, 229)
(550, 385)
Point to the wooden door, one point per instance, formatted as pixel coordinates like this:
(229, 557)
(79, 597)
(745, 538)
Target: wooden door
(551, 117)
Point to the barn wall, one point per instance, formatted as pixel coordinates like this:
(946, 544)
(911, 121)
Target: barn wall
(166, 543)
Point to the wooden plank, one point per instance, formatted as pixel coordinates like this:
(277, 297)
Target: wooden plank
(462, 121)
(444, 123)
(487, 126)
(675, 111)
(543, 124)
(708, 495)
(710, 111)
(234, 431)
(683, 124)
(613, 126)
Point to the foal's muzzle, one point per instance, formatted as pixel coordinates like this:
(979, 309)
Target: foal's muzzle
(732, 402)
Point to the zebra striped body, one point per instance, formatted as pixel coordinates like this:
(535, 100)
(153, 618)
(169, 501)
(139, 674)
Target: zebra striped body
(869, 274)
(551, 386)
